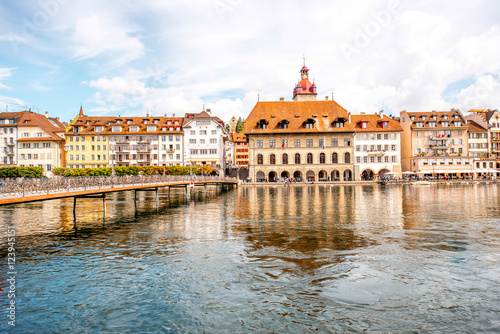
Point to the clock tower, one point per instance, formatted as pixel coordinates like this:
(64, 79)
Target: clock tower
(304, 90)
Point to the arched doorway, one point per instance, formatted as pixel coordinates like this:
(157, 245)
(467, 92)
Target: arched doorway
(322, 175)
(367, 175)
(273, 176)
(285, 175)
(347, 175)
(297, 176)
(261, 177)
(310, 176)
(335, 175)
(382, 172)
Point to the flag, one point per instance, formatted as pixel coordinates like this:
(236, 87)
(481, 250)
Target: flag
(324, 140)
(283, 144)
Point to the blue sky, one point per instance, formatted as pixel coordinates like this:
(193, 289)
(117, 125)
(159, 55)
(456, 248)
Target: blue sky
(174, 56)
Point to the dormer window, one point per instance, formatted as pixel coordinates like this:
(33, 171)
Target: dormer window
(364, 125)
(445, 124)
(419, 124)
(145, 121)
(457, 123)
(98, 129)
(88, 123)
(423, 117)
(283, 124)
(339, 122)
(76, 129)
(117, 128)
(176, 122)
(151, 128)
(119, 121)
(445, 116)
(434, 117)
(262, 124)
(134, 129)
(385, 125)
(129, 122)
(432, 124)
(169, 122)
(456, 116)
(412, 118)
(309, 124)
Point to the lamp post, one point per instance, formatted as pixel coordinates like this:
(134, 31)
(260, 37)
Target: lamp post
(66, 149)
(112, 157)
(254, 179)
(433, 164)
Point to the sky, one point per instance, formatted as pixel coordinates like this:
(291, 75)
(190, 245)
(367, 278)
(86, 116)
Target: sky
(170, 57)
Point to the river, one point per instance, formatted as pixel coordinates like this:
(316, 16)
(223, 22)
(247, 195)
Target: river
(328, 259)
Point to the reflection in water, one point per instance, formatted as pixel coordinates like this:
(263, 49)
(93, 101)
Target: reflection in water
(282, 259)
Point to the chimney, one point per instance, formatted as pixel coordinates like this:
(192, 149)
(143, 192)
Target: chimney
(282, 99)
(326, 98)
(209, 111)
(381, 114)
(47, 114)
(173, 115)
(362, 113)
(349, 116)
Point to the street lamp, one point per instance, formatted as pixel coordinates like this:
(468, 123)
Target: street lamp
(66, 149)
(433, 164)
(112, 157)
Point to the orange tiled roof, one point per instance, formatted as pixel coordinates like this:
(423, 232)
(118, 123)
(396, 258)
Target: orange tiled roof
(239, 137)
(322, 113)
(374, 123)
(87, 125)
(51, 126)
(440, 116)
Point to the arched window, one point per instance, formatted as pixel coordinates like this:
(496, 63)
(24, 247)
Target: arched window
(272, 159)
(347, 158)
(260, 159)
(309, 158)
(322, 158)
(335, 158)
(284, 159)
(297, 158)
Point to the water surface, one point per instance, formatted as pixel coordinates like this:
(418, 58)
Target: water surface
(287, 260)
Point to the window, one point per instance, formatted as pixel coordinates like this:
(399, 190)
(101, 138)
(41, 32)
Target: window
(203, 132)
(322, 159)
(309, 142)
(272, 143)
(347, 158)
(419, 124)
(335, 142)
(284, 159)
(203, 151)
(192, 141)
(192, 132)
(262, 124)
(358, 148)
(347, 142)
(297, 158)
(339, 124)
(213, 151)
(194, 152)
(213, 141)
(260, 143)
(260, 159)
(272, 159)
(321, 142)
(297, 142)
(309, 158)
(283, 124)
(116, 128)
(432, 124)
(335, 158)
(202, 141)
(214, 132)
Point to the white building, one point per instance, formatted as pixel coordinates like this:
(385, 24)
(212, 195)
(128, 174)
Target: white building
(204, 140)
(8, 138)
(377, 145)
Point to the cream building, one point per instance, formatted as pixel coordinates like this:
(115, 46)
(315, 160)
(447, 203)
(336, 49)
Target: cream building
(300, 140)
(377, 145)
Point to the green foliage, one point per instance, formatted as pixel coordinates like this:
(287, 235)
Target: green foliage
(13, 172)
(59, 171)
(228, 128)
(240, 125)
(123, 171)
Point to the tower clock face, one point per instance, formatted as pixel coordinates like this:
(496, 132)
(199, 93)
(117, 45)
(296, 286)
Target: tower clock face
(304, 76)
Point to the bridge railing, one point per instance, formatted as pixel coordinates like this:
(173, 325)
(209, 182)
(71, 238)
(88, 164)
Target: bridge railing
(32, 186)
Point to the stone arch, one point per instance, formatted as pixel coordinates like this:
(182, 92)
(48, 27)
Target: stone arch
(382, 172)
(285, 174)
(261, 176)
(347, 175)
(297, 175)
(335, 175)
(272, 176)
(310, 175)
(323, 175)
(367, 174)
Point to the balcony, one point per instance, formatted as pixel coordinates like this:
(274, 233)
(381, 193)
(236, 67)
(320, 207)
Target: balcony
(123, 141)
(495, 138)
(9, 153)
(143, 142)
(143, 150)
(376, 152)
(170, 150)
(10, 144)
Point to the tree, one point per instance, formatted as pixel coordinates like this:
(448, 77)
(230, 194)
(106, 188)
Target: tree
(239, 125)
(228, 128)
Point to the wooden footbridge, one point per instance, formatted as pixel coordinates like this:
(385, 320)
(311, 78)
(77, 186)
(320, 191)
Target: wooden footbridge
(17, 191)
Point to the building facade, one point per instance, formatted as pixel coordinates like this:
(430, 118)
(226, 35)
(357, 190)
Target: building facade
(300, 140)
(435, 143)
(240, 149)
(94, 142)
(30, 139)
(204, 140)
(377, 145)
(8, 138)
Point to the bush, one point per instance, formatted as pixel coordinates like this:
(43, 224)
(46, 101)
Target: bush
(14, 172)
(59, 171)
